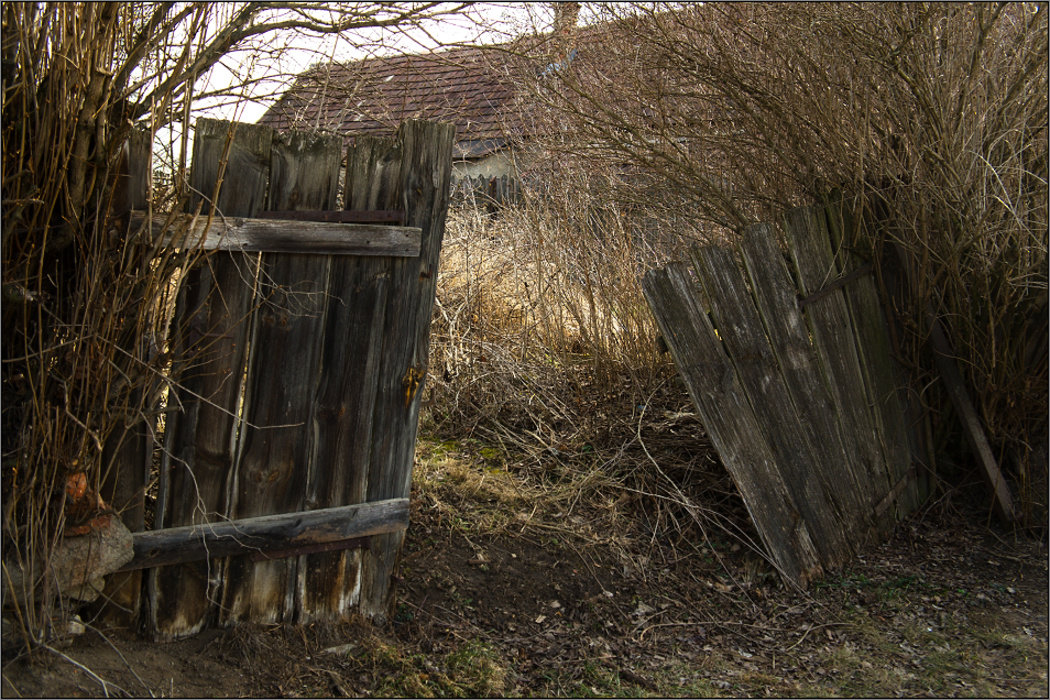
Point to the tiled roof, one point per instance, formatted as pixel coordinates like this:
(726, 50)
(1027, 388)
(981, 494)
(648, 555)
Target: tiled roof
(468, 86)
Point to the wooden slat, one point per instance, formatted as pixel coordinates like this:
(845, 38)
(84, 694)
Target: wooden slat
(329, 583)
(210, 338)
(282, 236)
(944, 359)
(373, 174)
(730, 421)
(269, 533)
(273, 467)
(836, 465)
(797, 457)
(424, 185)
(832, 330)
(884, 379)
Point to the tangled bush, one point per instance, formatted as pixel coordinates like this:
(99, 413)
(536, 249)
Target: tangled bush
(931, 119)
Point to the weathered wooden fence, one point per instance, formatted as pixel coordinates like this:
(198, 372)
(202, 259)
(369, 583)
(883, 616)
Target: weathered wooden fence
(794, 381)
(300, 347)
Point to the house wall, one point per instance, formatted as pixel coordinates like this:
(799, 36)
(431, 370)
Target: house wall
(495, 165)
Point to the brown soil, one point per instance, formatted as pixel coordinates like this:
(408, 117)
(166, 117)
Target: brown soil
(577, 603)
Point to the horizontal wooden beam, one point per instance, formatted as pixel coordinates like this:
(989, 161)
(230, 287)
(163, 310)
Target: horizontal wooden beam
(287, 533)
(283, 236)
(337, 546)
(344, 216)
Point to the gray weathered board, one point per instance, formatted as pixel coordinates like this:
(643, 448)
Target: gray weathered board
(298, 358)
(793, 380)
(275, 236)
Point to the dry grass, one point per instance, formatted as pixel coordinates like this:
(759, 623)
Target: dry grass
(545, 362)
(535, 330)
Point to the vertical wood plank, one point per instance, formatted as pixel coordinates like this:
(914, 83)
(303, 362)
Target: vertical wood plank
(883, 377)
(806, 229)
(373, 174)
(730, 420)
(424, 184)
(274, 463)
(329, 583)
(892, 282)
(210, 334)
(837, 466)
(797, 458)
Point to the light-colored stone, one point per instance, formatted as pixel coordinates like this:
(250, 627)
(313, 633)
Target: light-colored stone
(80, 562)
(78, 565)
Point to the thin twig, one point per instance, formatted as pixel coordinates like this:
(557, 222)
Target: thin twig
(122, 658)
(105, 684)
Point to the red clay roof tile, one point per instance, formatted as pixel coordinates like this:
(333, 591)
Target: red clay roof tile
(468, 86)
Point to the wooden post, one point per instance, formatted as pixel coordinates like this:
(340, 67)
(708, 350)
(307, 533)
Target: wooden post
(211, 345)
(274, 465)
(944, 359)
(424, 186)
(126, 459)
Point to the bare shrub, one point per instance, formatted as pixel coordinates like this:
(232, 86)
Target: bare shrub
(929, 118)
(539, 310)
(543, 346)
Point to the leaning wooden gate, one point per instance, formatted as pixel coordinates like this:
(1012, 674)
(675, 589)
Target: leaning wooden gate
(793, 379)
(300, 347)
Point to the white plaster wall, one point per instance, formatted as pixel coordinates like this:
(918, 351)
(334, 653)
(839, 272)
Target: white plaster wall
(494, 165)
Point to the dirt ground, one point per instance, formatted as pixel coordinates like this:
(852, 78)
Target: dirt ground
(504, 594)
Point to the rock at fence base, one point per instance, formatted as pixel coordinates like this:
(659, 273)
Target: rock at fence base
(79, 563)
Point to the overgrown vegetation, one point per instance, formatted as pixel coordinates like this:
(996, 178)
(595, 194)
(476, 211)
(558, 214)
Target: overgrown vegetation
(544, 352)
(84, 353)
(689, 123)
(931, 121)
